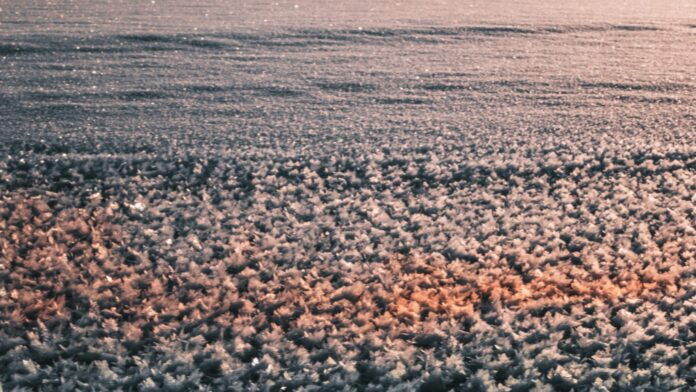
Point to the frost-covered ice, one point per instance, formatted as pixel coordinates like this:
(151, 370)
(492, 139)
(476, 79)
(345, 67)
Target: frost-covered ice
(460, 205)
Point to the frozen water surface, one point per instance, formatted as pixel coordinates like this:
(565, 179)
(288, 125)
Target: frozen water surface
(443, 195)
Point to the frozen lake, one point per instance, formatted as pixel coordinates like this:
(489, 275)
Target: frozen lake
(270, 74)
(441, 195)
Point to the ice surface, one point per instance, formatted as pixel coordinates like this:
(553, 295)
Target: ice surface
(392, 196)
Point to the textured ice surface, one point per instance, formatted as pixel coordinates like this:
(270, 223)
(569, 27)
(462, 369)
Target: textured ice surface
(371, 197)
